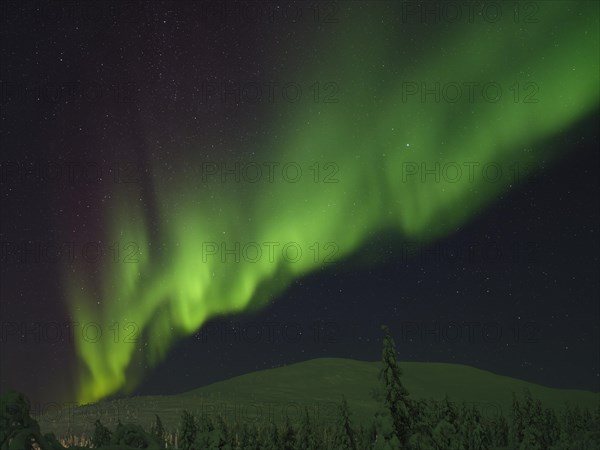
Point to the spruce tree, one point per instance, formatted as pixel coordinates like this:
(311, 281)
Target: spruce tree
(594, 429)
(306, 438)
(132, 435)
(578, 420)
(587, 419)
(158, 431)
(531, 411)
(363, 437)
(446, 430)
(516, 424)
(248, 438)
(187, 431)
(219, 437)
(205, 427)
(551, 428)
(448, 411)
(101, 436)
(500, 431)
(473, 430)
(287, 436)
(395, 394)
(345, 436)
(270, 437)
(253, 438)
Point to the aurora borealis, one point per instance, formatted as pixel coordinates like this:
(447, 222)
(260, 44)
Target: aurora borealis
(374, 137)
(267, 151)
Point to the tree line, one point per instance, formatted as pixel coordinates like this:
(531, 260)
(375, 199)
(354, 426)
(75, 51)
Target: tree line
(399, 423)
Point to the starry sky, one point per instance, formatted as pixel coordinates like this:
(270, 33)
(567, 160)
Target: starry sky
(116, 123)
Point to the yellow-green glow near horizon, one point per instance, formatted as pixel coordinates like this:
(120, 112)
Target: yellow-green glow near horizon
(370, 134)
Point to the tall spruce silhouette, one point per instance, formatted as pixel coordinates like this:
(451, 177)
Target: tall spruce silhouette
(395, 394)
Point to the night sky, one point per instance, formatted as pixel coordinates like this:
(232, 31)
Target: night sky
(117, 120)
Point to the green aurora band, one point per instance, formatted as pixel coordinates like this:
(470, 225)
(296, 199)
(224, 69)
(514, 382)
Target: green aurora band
(373, 136)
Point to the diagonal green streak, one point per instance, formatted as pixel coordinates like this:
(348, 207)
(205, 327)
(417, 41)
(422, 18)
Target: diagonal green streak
(171, 291)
